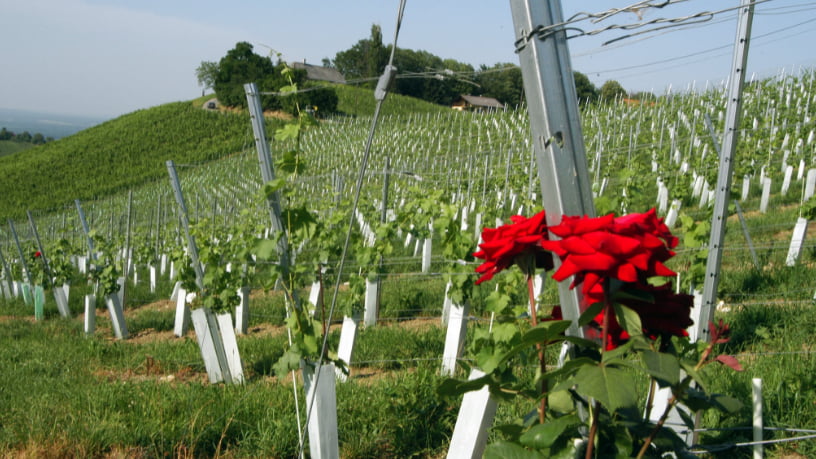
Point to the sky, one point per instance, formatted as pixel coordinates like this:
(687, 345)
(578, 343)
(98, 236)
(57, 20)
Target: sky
(105, 58)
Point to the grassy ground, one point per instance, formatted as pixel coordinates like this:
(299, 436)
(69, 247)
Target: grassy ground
(65, 394)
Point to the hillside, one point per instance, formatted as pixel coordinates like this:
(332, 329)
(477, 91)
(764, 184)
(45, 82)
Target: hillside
(115, 155)
(8, 147)
(131, 150)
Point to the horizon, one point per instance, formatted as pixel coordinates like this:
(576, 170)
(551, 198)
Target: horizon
(105, 58)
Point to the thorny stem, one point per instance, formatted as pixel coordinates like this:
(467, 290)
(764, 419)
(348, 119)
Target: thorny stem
(593, 428)
(673, 401)
(542, 410)
(657, 427)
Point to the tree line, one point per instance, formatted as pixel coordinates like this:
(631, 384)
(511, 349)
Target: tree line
(241, 65)
(24, 137)
(420, 74)
(429, 77)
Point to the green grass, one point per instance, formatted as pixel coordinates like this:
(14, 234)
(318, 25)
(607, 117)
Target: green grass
(772, 342)
(355, 101)
(93, 396)
(63, 393)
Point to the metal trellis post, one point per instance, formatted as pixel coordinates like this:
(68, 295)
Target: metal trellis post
(23, 263)
(733, 115)
(555, 124)
(85, 229)
(39, 246)
(268, 175)
(7, 273)
(191, 244)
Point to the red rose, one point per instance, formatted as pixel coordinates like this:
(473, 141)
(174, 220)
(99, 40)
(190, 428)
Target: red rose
(502, 246)
(37, 254)
(629, 248)
(665, 314)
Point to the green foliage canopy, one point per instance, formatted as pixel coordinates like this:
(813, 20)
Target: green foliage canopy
(586, 91)
(612, 90)
(502, 82)
(241, 65)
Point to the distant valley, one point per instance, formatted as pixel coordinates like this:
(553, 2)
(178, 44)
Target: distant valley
(48, 124)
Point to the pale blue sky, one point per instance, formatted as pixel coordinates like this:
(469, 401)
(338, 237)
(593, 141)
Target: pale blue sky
(110, 57)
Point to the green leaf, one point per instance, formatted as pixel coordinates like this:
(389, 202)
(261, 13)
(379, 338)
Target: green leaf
(497, 302)
(664, 368)
(617, 353)
(492, 361)
(505, 332)
(273, 186)
(569, 367)
(288, 131)
(623, 442)
(265, 249)
(507, 450)
(542, 436)
(726, 403)
(290, 360)
(691, 371)
(628, 319)
(685, 416)
(310, 345)
(560, 401)
(696, 399)
(289, 162)
(590, 313)
(455, 387)
(612, 387)
(546, 331)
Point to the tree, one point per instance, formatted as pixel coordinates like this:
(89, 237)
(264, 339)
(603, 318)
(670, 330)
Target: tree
(6, 134)
(612, 90)
(503, 82)
(586, 91)
(322, 99)
(428, 77)
(24, 137)
(207, 73)
(365, 59)
(240, 66)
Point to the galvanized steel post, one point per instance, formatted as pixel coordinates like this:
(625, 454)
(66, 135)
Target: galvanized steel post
(733, 114)
(191, 244)
(552, 104)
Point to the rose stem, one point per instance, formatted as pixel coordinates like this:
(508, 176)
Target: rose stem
(604, 334)
(534, 319)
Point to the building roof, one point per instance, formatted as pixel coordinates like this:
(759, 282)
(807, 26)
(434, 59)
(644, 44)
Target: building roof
(318, 73)
(480, 101)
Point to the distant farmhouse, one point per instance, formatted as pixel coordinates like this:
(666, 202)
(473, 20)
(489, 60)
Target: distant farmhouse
(318, 73)
(477, 104)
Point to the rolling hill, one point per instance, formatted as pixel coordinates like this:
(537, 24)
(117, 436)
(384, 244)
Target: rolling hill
(131, 150)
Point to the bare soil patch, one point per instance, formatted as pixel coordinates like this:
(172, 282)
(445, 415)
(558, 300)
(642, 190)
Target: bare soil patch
(13, 318)
(152, 370)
